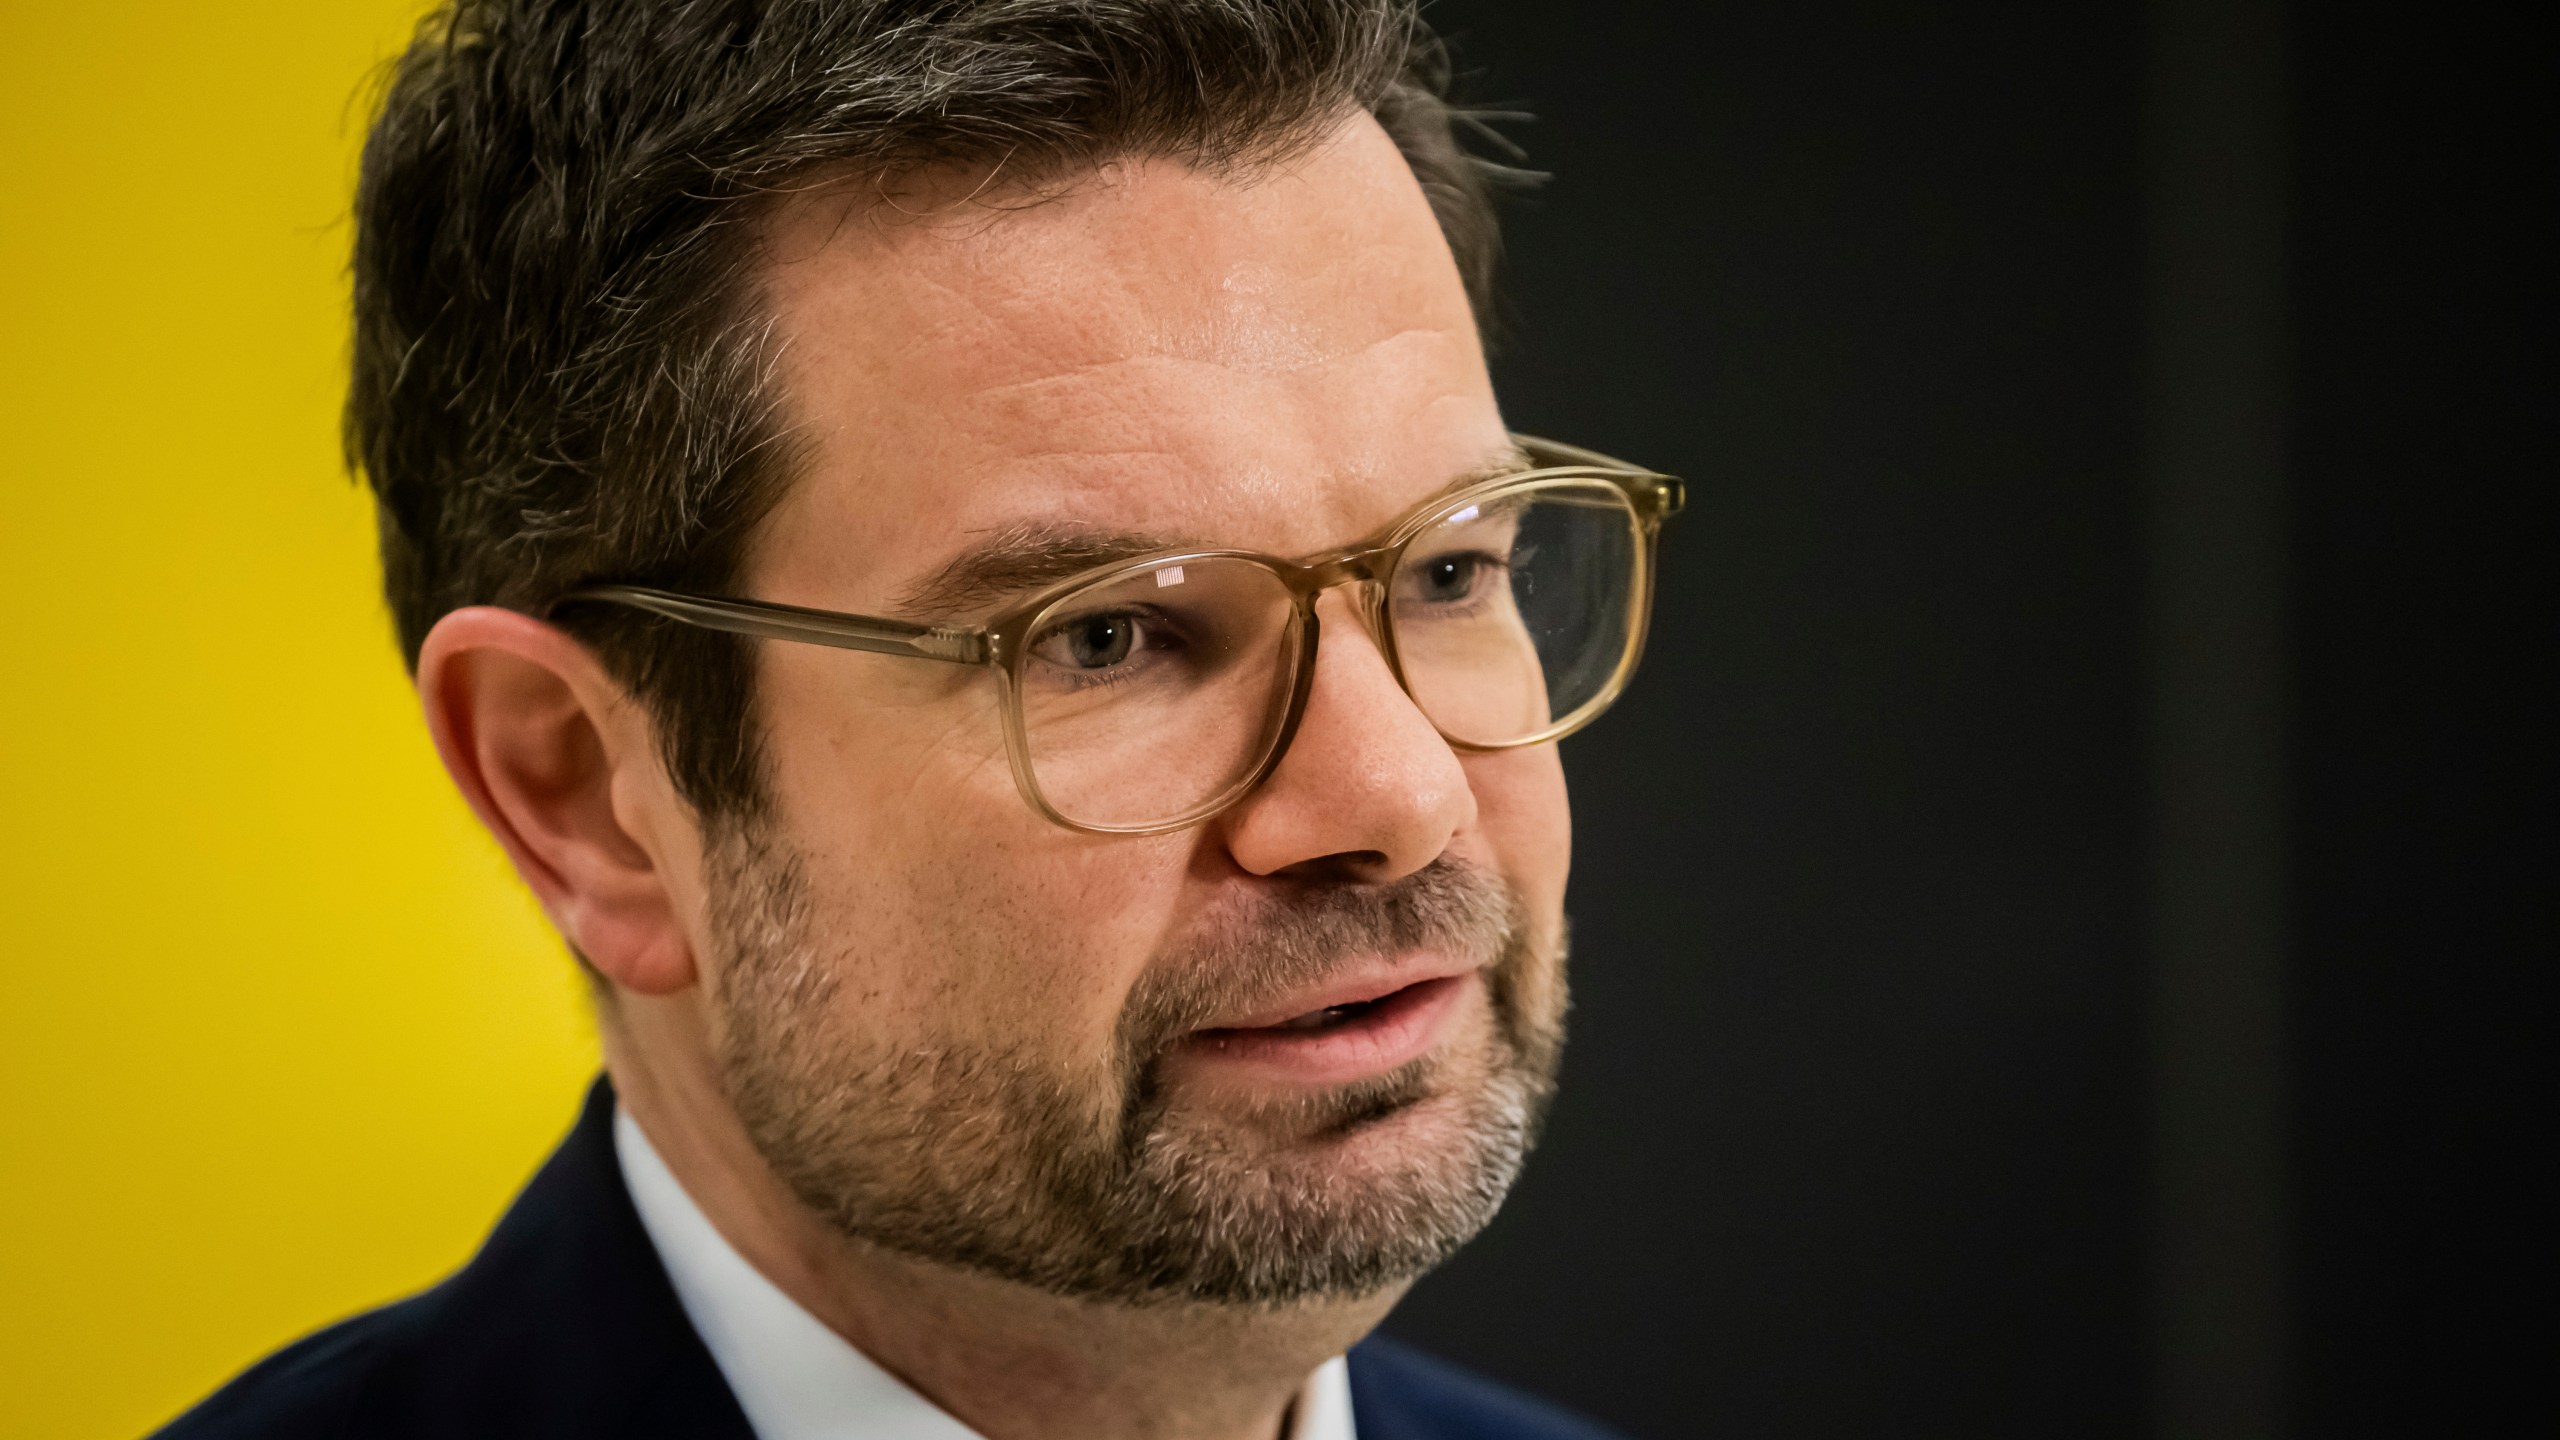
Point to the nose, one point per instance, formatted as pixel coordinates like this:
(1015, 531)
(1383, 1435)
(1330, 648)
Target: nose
(1368, 790)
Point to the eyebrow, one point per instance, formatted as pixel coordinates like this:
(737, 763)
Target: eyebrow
(1024, 559)
(1509, 460)
(1019, 561)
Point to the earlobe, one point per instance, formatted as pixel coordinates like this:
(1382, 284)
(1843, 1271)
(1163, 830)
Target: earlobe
(540, 740)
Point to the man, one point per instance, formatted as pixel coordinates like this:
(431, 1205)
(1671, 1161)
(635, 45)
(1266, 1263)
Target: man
(968, 556)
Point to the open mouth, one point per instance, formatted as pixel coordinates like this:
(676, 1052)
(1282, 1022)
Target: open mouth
(1338, 1043)
(1332, 1015)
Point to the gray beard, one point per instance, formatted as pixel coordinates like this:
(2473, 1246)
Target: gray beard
(1090, 1183)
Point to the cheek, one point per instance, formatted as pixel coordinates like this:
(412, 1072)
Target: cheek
(1526, 822)
(1527, 825)
(954, 914)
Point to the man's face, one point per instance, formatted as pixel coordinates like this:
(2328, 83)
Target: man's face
(1296, 1050)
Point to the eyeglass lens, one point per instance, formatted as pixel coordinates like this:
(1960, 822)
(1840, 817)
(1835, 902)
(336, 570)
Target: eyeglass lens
(1512, 615)
(1146, 698)
(1152, 697)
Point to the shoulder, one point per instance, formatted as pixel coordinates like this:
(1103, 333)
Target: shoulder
(483, 1356)
(1400, 1393)
(317, 1388)
(563, 1326)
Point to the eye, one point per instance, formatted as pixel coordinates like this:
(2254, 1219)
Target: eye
(1098, 640)
(1453, 578)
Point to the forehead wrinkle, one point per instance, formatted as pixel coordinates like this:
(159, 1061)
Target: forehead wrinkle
(1177, 355)
(1151, 402)
(894, 322)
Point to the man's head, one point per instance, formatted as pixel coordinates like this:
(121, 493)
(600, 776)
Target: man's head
(563, 371)
(825, 305)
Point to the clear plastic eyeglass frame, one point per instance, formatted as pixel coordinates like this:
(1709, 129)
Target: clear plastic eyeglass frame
(1001, 643)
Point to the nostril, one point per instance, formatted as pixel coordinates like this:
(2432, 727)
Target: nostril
(1342, 866)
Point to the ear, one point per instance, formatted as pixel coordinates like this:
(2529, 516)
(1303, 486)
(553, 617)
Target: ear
(557, 760)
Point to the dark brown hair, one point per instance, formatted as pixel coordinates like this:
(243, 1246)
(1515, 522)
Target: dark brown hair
(558, 377)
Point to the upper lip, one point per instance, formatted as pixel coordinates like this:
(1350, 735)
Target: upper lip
(1361, 983)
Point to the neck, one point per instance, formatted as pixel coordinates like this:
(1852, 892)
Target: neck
(1011, 1362)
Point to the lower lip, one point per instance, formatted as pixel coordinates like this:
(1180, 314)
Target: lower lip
(1394, 1031)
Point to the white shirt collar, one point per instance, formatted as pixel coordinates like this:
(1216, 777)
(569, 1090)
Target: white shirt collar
(797, 1379)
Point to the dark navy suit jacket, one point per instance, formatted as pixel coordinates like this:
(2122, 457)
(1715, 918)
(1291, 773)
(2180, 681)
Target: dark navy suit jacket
(565, 1327)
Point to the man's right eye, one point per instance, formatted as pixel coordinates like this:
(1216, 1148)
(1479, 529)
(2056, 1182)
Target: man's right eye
(1096, 641)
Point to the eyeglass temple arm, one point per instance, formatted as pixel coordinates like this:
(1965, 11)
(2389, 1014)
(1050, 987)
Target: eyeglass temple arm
(1670, 493)
(960, 645)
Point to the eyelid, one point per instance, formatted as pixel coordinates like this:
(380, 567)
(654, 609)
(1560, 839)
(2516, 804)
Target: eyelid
(1479, 575)
(1157, 618)
(1143, 657)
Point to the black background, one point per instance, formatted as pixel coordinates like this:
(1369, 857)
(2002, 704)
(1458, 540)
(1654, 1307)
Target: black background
(1853, 1134)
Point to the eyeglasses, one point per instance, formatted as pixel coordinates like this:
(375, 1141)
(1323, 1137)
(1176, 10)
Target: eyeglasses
(1147, 695)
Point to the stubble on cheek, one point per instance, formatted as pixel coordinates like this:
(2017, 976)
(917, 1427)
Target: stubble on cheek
(983, 1138)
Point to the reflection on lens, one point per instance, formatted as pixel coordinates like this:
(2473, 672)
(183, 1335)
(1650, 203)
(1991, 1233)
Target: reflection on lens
(1513, 616)
(1150, 696)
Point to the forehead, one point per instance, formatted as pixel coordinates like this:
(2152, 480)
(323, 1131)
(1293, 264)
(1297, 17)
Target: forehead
(1280, 359)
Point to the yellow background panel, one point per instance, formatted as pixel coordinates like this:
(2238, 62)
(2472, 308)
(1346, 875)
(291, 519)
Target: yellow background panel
(279, 1035)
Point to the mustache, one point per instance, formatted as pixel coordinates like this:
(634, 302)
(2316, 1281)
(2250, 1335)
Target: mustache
(1248, 959)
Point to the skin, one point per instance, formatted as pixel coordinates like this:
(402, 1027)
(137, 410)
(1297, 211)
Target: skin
(1281, 360)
